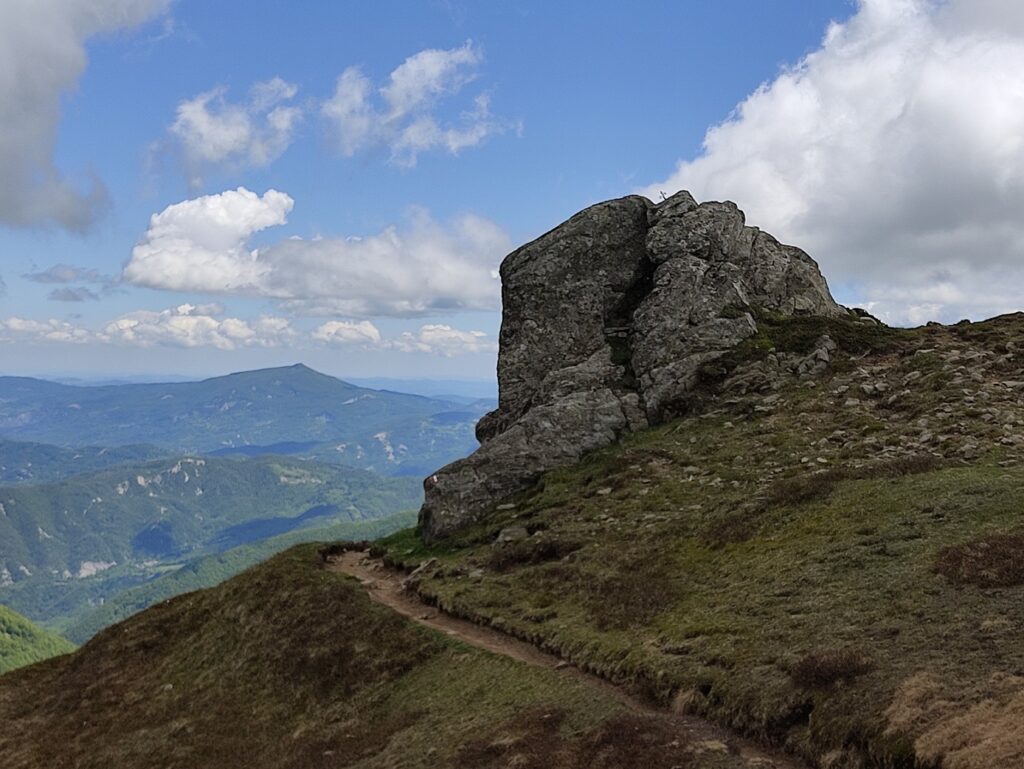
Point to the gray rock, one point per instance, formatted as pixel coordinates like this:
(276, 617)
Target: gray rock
(606, 322)
(511, 534)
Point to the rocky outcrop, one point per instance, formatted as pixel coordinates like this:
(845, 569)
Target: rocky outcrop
(607, 320)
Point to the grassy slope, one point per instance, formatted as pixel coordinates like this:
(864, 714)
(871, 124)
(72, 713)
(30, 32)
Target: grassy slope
(288, 665)
(844, 578)
(22, 643)
(213, 569)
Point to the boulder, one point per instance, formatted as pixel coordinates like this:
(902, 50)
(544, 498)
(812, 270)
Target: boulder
(606, 322)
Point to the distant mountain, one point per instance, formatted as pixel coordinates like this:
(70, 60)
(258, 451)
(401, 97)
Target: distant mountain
(254, 412)
(211, 570)
(24, 462)
(456, 390)
(22, 643)
(68, 545)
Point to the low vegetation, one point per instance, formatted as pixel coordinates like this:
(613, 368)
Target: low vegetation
(213, 569)
(833, 565)
(22, 643)
(290, 665)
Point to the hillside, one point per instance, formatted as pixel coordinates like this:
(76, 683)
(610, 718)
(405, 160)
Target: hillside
(22, 643)
(272, 411)
(68, 546)
(25, 462)
(211, 570)
(706, 483)
(833, 563)
(290, 665)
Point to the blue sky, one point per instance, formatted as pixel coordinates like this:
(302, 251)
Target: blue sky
(460, 131)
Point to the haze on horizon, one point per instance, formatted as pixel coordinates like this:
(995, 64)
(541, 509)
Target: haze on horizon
(194, 189)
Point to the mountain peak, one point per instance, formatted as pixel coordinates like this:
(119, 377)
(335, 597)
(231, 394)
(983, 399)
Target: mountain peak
(607, 321)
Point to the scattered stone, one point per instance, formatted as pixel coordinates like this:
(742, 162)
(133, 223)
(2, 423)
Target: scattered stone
(413, 581)
(512, 534)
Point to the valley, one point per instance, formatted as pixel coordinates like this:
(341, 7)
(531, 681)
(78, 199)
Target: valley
(90, 534)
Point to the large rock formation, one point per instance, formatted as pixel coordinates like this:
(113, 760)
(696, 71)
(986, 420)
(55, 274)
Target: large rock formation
(606, 321)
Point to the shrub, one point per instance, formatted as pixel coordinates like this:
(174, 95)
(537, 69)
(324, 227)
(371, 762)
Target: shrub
(530, 551)
(825, 667)
(798, 489)
(995, 561)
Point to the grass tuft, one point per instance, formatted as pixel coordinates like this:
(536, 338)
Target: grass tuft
(824, 668)
(995, 561)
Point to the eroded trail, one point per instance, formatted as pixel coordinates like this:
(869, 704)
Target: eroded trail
(385, 587)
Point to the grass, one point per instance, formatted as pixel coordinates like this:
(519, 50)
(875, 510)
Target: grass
(291, 666)
(782, 581)
(990, 562)
(22, 643)
(213, 569)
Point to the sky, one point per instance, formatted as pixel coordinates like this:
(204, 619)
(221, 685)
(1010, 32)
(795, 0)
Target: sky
(192, 188)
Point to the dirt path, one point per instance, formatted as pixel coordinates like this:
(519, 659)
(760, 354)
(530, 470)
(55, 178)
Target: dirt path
(384, 586)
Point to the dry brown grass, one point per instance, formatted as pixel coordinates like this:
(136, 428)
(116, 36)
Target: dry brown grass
(535, 740)
(805, 488)
(988, 734)
(995, 561)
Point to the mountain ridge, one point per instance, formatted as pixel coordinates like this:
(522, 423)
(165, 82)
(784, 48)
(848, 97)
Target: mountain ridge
(371, 429)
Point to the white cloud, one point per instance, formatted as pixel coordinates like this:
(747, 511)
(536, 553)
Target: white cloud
(193, 326)
(427, 75)
(200, 244)
(440, 339)
(213, 132)
(894, 154)
(421, 268)
(17, 329)
(403, 118)
(343, 332)
(189, 326)
(42, 55)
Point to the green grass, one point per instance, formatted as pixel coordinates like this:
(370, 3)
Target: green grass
(289, 665)
(715, 562)
(22, 643)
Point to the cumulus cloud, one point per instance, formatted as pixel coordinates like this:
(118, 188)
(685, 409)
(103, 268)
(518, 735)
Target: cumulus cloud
(894, 154)
(188, 326)
(440, 339)
(421, 268)
(200, 244)
(435, 339)
(400, 115)
(17, 329)
(42, 55)
(212, 132)
(344, 332)
(193, 326)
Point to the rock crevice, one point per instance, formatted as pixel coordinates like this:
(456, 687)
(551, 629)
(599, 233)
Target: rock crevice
(607, 320)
